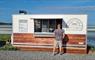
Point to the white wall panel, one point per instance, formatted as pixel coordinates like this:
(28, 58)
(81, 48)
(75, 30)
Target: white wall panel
(65, 17)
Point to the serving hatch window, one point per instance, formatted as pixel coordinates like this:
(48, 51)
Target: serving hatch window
(46, 25)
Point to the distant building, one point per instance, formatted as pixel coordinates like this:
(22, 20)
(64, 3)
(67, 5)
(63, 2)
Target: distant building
(37, 31)
(5, 28)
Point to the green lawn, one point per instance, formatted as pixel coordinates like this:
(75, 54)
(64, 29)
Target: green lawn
(5, 37)
(7, 46)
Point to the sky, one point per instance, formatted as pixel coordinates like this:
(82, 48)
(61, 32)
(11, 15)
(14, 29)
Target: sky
(11, 7)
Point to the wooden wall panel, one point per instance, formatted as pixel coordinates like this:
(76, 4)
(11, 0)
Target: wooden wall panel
(28, 37)
(41, 41)
(23, 37)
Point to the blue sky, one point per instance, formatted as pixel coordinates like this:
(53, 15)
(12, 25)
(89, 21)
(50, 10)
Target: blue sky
(10, 7)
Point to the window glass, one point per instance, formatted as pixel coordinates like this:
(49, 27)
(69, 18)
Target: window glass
(45, 26)
(52, 25)
(37, 25)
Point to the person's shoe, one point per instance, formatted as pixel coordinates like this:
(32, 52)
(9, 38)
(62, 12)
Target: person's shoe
(61, 53)
(54, 54)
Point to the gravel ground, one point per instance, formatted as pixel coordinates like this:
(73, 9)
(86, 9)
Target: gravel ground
(31, 55)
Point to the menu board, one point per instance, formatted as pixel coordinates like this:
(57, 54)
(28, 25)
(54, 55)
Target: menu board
(23, 26)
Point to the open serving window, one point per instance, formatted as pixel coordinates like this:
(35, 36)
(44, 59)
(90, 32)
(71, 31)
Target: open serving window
(45, 27)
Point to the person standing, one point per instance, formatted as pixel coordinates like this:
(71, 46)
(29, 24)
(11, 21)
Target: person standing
(59, 35)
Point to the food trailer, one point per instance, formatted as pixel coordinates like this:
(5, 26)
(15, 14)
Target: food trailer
(35, 31)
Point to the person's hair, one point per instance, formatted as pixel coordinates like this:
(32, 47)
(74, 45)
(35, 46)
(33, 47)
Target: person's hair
(58, 25)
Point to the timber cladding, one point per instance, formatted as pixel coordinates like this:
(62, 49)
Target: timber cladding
(30, 38)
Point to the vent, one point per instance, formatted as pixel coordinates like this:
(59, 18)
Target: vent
(22, 12)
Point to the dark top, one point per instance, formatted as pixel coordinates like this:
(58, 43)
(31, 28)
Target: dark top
(58, 34)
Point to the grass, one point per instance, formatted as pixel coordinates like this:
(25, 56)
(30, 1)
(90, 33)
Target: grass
(5, 37)
(8, 47)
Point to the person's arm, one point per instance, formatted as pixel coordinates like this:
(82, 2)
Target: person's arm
(63, 35)
(54, 33)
